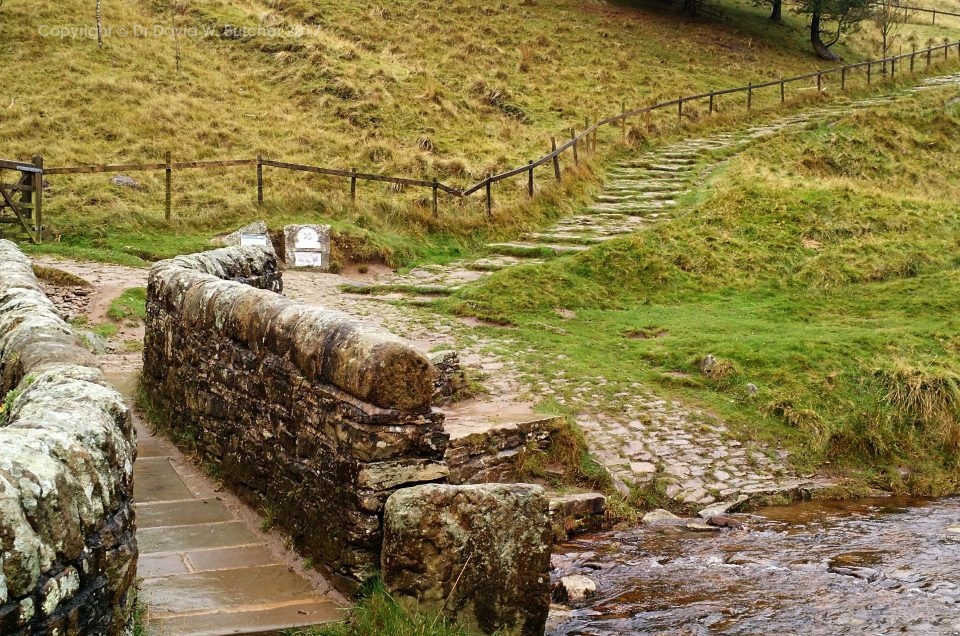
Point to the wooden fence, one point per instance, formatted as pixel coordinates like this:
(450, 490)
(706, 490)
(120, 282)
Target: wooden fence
(933, 12)
(29, 210)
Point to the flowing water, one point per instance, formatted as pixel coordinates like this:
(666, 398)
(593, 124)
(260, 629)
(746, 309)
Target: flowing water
(874, 566)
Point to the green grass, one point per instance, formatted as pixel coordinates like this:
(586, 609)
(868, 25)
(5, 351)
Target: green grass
(378, 613)
(452, 90)
(131, 305)
(6, 407)
(106, 330)
(819, 266)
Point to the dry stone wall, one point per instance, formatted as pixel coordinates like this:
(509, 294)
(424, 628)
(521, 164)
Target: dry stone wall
(306, 413)
(67, 445)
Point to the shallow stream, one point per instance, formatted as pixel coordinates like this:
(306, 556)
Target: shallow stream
(874, 566)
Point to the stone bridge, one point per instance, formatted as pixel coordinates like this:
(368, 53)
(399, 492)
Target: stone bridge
(307, 414)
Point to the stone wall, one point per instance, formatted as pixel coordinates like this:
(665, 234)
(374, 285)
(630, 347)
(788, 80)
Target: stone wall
(306, 413)
(66, 474)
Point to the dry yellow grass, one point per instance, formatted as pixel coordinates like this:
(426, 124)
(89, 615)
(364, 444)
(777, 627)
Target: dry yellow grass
(428, 89)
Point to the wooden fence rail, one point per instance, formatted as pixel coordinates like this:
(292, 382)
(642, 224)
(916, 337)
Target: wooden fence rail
(585, 140)
(933, 12)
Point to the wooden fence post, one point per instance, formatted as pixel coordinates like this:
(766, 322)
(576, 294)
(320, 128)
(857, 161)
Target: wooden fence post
(928, 56)
(530, 181)
(436, 194)
(489, 199)
(353, 184)
(933, 22)
(913, 57)
(556, 157)
(260, 180)
(586, 126)
(573, 136)
(711, 102)
(37, 178)
(169, 184)
(869, 65)
(783, 90)
(893, 67)
(680, 109)
(623, 120)
(843, 77)
(749, 97)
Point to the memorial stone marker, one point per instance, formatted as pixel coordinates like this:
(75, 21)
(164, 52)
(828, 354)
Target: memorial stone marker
(308, 246)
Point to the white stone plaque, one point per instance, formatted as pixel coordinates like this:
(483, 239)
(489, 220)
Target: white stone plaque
(308, 239)
(309, 259)
(254, 240)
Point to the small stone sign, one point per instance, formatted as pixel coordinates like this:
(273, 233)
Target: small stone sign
(258, 228)
(254, 240)
(308, 246)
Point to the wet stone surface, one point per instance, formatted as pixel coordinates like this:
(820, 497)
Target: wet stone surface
(878, 566)
(206, 568)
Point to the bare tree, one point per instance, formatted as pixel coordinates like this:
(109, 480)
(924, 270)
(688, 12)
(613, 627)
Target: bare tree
(889, 16)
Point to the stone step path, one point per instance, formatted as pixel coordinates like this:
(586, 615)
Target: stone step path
(639, 191)
(691, 454)
(206, 567)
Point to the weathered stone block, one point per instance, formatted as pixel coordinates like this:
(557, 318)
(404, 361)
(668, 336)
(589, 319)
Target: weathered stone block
(253, 234)
(480, 554)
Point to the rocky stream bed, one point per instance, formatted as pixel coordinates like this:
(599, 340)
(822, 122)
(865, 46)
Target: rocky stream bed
(872, 566)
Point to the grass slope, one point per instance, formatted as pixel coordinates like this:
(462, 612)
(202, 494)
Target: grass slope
(821, 267)
(431, 88)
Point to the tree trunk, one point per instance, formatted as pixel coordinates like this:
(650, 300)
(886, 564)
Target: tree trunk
(777, 14)
(821, 49)
(99, 26)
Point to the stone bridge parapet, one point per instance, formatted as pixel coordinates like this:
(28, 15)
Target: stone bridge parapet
(309, 414)
(67, 447)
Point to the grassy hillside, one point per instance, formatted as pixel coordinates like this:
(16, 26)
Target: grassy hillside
(452, 90)
(821, 266)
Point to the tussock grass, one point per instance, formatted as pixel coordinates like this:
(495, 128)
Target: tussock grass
(378, 613)
(928, 399)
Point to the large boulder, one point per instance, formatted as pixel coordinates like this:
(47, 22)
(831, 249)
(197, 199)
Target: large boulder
(478, 554)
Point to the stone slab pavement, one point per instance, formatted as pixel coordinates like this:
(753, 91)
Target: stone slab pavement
(207, 565)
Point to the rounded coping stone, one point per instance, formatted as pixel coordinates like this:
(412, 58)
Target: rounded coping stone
(329, 346)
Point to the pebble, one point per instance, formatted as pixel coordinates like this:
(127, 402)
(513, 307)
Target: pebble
(574, 588)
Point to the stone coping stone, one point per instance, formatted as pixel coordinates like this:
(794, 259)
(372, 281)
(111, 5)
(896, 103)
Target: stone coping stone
(212, 291)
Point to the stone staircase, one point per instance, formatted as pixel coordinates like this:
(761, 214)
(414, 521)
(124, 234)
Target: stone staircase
(638, 192)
